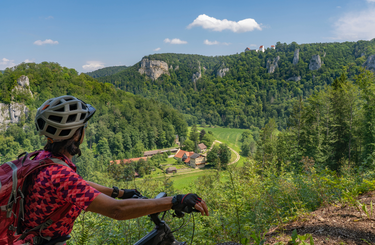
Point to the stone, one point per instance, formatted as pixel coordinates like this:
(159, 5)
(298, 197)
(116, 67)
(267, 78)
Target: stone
(296, 56)
(196, 76)
(12, 113)
(22, 88)
(315, 62)
(295, 78)
(272, 65)
(153, 68)
(222, 72)
(176, 68)
(370, 63)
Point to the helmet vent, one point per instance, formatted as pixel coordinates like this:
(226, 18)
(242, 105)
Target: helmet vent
(65, 132)
(73, 107)
(41, 123)
(58, 103)
(71, 118)
(62, 109)
(51, 130)
(83, 115)
(55, 118)
(68, 99)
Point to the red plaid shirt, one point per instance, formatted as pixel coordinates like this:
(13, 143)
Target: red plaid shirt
(52, 187)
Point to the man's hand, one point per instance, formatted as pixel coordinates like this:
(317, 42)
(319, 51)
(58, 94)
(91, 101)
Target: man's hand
(186, 203)
(129, 193)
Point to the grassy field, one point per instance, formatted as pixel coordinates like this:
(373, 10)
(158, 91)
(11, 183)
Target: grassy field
(229, 136)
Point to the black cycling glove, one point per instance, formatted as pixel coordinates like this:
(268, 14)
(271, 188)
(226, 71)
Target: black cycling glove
(185, 203)
(130, 193)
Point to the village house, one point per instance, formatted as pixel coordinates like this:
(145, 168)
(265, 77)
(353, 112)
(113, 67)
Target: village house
(202, 147)
(272, 46)
(192, 159)
(171, 170)
(154, 152)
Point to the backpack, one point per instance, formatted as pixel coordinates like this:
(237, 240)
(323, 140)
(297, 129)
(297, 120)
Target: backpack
(13, 185)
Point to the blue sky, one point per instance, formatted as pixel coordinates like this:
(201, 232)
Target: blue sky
(87, 35)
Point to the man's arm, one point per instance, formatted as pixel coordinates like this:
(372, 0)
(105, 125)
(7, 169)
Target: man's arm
(103, 189)
(134, 208)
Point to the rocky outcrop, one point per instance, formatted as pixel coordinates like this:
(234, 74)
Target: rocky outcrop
(22, 87)
(196, 76)
(272, 65)
(295, 78)
(296, 56)
(177, 67)
(153, 68)
(12, 113)
(315, 62)
(370, 63)
(222, 72)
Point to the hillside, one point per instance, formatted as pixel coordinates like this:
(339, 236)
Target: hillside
(245, 89)
(107, 71)
(123, 126)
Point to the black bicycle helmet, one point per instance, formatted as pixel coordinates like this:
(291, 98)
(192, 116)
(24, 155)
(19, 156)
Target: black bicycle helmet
(60, 117)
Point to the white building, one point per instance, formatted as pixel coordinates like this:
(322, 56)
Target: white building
(272, 46)
(261, 49)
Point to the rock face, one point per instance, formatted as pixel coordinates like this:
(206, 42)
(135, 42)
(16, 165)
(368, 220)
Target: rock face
(22, 87)
(196, 76)
(295, 78)
(272, 65)
(370, 63)
(11, 113)
(222, 72)
(153, 68)
(315, 62)
(296, 56)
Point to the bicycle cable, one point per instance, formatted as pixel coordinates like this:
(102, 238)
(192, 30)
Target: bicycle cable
(192, 237)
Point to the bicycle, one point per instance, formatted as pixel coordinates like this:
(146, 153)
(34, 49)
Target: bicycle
(161, 234)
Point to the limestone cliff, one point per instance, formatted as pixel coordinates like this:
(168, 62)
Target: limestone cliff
(315, 62)
(12, 113)
(370, 63)
(196, 76)
(272, 65)
(296, 56)
(295, 78)
(22, 88)
(222, 72)
(153, 68)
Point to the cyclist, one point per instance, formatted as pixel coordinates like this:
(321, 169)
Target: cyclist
(63, 121)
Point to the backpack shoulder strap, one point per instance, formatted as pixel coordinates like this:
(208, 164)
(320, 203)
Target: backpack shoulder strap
(58, 161)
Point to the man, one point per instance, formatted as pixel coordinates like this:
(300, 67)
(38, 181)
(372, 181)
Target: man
(63, 121)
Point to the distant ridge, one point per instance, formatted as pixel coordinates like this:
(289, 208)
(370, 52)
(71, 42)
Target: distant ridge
(107, 71)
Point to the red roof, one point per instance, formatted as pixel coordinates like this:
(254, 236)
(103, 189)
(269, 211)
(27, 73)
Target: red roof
(180, 153)
(187, 160)
(261, 46)
(129, 160)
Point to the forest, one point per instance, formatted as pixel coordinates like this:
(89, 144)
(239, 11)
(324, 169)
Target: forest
(248, 95)
(124, 125)
(106, 71)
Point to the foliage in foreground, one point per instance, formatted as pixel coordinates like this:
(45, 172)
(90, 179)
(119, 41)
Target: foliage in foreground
(244, 202)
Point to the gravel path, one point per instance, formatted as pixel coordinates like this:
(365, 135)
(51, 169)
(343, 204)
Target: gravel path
(235, 152)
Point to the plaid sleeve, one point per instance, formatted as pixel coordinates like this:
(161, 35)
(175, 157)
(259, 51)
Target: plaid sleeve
(69, 186)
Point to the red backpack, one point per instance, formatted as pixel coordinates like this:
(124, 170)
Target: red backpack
(13, 185)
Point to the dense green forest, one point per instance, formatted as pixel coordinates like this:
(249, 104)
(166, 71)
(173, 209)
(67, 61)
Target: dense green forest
(124, 125)
(107, 71)
(248, 95)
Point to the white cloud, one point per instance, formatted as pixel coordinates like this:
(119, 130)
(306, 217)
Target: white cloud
(4, 63)
(47, 41)
(356, 25)
(157, 49)
(207, 22)
(371, 1)
(49, 17)
(174, 41)
(253, 45)
(207, 42)
(29, 61)
(210, 43)
(93, 65)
